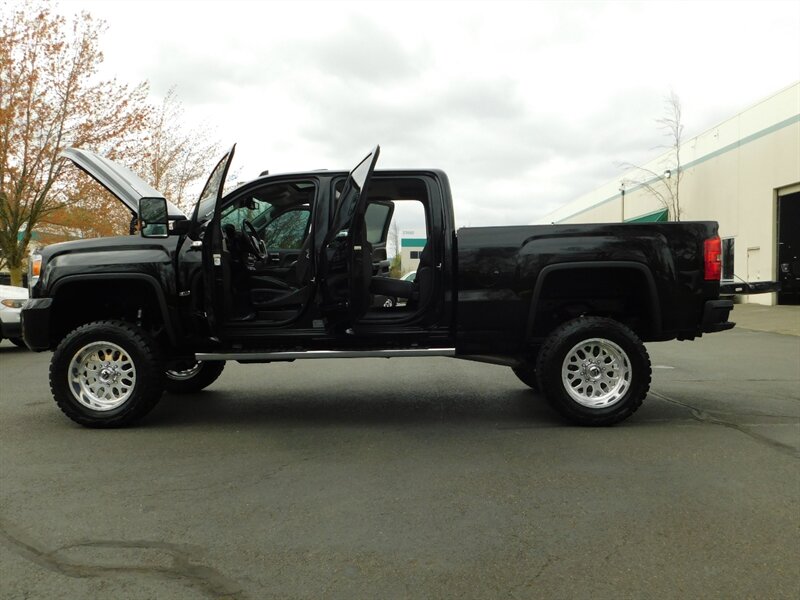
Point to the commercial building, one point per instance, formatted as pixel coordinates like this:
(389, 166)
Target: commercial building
(744, 173)
(412, 243)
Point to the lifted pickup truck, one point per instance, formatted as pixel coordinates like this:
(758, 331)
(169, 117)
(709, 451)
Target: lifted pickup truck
(285, 267)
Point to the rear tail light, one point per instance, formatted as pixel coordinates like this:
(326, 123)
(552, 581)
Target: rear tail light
(712, 255)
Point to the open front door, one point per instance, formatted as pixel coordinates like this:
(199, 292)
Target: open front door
(346, 257)
(215, 269)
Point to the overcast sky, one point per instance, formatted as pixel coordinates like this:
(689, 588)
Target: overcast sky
(525, 105)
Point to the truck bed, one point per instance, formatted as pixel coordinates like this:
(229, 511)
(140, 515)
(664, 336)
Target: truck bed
(650, 275)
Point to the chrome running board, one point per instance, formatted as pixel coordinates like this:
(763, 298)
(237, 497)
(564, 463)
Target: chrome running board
(259, 356)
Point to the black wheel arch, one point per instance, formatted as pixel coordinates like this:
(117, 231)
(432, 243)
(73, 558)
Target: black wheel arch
(94, 281)
(547, 273)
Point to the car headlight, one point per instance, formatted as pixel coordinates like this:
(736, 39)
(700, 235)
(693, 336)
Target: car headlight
(34, 269)
(13, 303)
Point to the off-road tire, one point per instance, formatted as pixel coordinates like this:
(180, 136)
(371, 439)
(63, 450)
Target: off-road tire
(560, 345)
(207, 374)
(143, 353)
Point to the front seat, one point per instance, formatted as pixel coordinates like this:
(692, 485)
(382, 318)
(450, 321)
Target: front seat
(268, 292)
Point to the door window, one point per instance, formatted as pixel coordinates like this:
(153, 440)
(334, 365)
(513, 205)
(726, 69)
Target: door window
(377, 221)
(288, 230)
(727, 258)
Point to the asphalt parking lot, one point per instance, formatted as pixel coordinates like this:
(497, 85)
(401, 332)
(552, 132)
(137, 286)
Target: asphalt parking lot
(411, 478)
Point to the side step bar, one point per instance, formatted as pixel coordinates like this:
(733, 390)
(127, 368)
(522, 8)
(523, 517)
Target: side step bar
(267, 356)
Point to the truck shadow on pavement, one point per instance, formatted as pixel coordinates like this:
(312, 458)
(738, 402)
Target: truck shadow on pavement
(522, 408)
(509, 410)
(9, 348)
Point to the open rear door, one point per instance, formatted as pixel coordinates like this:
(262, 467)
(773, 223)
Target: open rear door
(346, 257)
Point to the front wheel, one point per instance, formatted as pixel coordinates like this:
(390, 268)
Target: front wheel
(193, 377)
(106, 374)
(594, 371)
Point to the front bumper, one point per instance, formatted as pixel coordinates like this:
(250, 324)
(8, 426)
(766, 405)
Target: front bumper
(35, 320)
(715, 316)
(10, 329)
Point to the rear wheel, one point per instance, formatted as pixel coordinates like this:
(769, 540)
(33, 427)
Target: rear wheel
(594, 371)
(192, 376)
(17, 342)
(106, 374)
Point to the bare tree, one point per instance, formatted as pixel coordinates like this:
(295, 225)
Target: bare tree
(666, 185)
(176, 156)
(394, 236)
(396, 266)
(50, 98)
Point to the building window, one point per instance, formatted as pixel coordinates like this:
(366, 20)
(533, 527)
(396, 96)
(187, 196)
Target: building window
(415, 254)
(727, 258)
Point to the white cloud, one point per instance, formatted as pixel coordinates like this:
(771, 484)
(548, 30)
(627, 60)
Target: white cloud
(525, 105)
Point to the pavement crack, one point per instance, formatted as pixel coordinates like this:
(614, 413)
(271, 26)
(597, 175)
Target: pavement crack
(704, 417)
(183, 564)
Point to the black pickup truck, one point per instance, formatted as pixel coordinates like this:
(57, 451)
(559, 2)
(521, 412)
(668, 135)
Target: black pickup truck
(287, 267)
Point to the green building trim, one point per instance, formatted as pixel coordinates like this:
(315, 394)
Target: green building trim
(658, 216)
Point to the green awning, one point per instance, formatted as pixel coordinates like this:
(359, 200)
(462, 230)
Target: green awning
(34, 236)
(659, 216)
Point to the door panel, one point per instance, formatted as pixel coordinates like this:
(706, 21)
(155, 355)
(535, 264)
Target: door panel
(216, 257)
(346, 257)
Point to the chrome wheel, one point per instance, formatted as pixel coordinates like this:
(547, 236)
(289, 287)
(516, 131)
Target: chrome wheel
(184, 374)
(101, 376)
(596, 373)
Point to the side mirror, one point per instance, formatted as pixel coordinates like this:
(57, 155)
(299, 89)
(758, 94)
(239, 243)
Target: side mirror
(153, 217)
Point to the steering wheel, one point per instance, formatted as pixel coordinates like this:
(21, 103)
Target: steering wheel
(255, 245)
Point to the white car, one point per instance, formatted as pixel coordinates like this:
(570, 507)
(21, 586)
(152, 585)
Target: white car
(11, 300)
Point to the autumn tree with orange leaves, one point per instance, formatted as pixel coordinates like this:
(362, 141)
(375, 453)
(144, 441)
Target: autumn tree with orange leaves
(50, 99)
